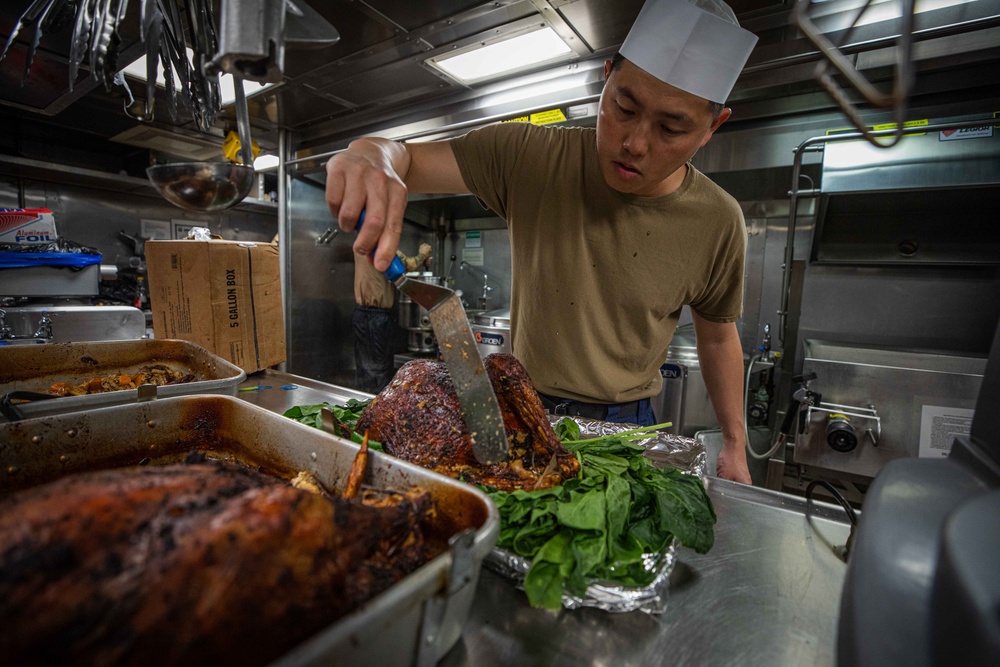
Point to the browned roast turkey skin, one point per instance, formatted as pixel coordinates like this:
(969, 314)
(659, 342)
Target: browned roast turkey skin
(417, 418)
(187, 564)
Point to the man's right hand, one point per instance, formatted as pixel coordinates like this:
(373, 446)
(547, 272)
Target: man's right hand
(373, 175)
(368, 177)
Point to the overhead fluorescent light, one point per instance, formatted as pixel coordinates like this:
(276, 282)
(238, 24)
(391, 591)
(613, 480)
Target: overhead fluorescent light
(266, 161)
(227, 90)
(490, 60)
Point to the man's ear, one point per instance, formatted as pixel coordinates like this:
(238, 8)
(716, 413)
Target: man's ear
(607, 69)
(716, 124)
(723, 117)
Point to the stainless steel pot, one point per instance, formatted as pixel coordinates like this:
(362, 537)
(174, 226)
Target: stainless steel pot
(421, 341)
(684, 399)
(492, 331)
(414, 318)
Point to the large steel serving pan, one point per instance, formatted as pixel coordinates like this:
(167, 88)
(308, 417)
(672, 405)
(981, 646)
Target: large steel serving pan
(34, 368)
(413, 623)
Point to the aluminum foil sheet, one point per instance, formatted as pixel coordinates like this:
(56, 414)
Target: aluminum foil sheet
(663, 449)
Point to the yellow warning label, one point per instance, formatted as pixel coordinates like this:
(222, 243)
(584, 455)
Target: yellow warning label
(546, 117)
(907, 124)
(886, 126)
(996, 114)
(540, 118)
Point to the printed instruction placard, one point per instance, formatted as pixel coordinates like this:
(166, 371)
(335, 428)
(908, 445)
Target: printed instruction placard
(939, 426)
(473, 256)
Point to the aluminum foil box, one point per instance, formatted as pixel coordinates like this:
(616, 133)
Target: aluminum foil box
(222, 295)
(27, 225)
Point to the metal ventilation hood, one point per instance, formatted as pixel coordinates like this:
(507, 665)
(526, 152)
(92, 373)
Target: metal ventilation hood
(930, 199)
(943, 159)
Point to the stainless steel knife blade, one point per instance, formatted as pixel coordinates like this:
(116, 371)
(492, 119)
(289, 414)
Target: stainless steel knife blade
(480, 408)
(478, 401)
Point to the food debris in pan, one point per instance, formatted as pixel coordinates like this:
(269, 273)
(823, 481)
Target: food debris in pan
(156, 374)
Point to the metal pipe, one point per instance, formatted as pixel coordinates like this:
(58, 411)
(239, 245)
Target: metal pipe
(878, 43)
(284, 237)
(816, 144)
(243, 123)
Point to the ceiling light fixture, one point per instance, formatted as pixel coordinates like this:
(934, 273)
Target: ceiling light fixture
(266, 161)
(491, 59)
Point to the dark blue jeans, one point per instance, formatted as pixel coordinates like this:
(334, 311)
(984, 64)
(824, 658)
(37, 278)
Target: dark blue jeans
(635, 412)
(373, 357)
(644, 416)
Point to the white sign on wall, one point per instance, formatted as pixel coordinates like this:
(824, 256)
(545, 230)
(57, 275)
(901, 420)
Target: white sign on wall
(966, 133)
(939, 426)
(155, 230)
(473, 256)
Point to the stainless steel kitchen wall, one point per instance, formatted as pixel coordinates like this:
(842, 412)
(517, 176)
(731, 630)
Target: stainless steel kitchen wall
(113, 221)
(95, 217)
(321, 286)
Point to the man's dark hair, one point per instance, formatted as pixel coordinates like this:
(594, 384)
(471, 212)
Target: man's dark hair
(715, 107)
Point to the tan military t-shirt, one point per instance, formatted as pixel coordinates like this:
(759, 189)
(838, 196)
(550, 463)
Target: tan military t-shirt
(599, 277)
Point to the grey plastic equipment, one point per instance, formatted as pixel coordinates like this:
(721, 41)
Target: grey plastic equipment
(923, 581)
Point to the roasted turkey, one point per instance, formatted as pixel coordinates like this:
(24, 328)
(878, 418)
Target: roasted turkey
(417, 418)
(201, 564)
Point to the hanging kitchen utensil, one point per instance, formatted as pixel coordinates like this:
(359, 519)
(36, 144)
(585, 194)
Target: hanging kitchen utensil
(210, 186)
(95, 42)
(480, 409)
(902, 84)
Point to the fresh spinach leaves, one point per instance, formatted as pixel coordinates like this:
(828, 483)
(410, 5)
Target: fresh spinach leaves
(600, 524)
(347, 415)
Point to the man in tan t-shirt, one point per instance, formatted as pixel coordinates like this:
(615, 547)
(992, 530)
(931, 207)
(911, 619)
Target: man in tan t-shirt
(612, 231)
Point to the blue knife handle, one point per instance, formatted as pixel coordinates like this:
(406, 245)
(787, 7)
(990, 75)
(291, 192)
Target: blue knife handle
(396, 269)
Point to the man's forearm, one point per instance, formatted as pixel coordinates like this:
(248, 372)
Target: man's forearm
(722, 369)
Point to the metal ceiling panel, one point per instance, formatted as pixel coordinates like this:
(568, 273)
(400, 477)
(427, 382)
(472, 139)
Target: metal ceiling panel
(412, 15)
(475, 22)
(387, 84)
(328, 74)
(298, 106)
(358, 33)
(599, 28)
(745, 8)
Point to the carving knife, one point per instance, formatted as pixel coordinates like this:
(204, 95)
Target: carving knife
(480, 408)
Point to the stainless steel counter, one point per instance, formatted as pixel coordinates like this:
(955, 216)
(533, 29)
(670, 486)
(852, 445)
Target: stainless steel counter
(766, 594)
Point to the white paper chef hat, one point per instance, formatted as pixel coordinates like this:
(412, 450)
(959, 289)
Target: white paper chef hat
(694, 45)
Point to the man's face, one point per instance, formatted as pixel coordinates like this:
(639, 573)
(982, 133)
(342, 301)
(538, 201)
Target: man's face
(647, 130)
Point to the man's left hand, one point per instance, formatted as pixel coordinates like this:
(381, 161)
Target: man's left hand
(732, 464)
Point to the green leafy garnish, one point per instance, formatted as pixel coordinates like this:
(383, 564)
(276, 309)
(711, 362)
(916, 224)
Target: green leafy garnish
(348, 415)
(601, 523)
(598, 525)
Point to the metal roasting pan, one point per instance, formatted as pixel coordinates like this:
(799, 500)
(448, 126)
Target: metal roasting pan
(34, 368)
(415, 622)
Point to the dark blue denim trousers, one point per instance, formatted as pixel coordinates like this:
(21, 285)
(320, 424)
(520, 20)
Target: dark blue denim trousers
(373, 357)
(635, 412)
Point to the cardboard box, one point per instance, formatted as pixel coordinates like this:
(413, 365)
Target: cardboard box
(222, 295)
(27, 225)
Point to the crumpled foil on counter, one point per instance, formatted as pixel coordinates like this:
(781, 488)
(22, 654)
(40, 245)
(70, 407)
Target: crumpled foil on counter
(663, 449)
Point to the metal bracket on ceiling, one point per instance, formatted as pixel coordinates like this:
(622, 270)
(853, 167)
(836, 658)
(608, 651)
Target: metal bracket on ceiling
(832, 56)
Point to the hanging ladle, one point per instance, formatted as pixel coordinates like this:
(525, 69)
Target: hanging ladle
(210, 186)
